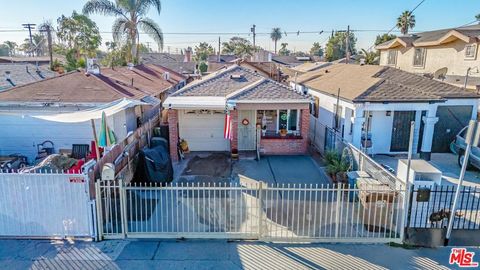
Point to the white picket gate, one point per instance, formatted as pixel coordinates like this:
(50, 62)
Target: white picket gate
(299, 213)
(46, 205)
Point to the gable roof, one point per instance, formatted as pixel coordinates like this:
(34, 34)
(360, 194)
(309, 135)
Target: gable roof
(72, 87)
(21, 74)
(287, 60)
(467, 34)
(381, 84)
(238, 84)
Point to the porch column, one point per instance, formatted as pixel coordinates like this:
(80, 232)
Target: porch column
(234, 118)
(357, 131)
(428, 130)
(173, 133)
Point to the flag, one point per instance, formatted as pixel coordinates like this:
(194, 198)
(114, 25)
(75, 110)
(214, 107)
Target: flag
(227, 130)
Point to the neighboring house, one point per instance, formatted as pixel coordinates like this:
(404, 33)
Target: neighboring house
(222, 58)
(12, 75)
(179, 63)
(197, 114)
(266, 69)
(290, 60)
(446, 54)
(374, 105)
(23, 130)
(291, 72)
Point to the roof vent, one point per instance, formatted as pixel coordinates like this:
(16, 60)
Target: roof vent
(236, 76)
(166, 76)
(327, 71)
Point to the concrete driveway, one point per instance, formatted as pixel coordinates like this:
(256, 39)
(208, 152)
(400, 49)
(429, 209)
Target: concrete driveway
(282, 170)
(445, 162)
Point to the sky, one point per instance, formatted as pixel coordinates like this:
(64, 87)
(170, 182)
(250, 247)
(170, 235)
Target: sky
(224, 17)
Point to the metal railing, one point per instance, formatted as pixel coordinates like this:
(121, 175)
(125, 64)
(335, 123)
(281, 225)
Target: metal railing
(324, 139)
(430, 207)
(299, 213)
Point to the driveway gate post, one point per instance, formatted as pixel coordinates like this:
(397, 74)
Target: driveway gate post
(260, 209)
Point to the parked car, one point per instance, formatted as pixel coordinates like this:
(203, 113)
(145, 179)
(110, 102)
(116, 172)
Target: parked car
(459, 145)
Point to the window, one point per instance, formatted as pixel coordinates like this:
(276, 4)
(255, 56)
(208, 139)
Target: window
(392, 57)
(419, 57)
(272, 121)
(470, 51)
(337, 120)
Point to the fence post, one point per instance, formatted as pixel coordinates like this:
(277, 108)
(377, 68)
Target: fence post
(123, 207)
(98, 198)
(337, 214)
(260, 209)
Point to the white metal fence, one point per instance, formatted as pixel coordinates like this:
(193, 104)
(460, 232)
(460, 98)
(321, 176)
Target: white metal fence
(273, 213)
(45, 205)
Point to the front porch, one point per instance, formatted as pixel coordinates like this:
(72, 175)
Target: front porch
(275, 130)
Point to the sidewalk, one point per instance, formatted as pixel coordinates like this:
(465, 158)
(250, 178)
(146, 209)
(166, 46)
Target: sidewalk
(196, 254)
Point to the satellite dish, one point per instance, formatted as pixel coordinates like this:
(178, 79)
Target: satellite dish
(440, 74)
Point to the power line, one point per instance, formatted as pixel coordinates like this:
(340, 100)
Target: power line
(391, 30)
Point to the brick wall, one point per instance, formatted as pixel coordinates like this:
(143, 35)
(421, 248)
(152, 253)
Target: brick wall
(280, 146)
(173, 134)
(234, 141)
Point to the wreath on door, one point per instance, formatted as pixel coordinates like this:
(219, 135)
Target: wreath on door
(245, 122)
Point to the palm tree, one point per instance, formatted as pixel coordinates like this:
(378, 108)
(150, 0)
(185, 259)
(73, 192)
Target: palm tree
(370, 57)
(405, 22)
(276, 35)
(12, 47)
(131, 16)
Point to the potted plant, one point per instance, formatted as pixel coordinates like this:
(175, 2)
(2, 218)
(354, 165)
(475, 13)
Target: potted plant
(283, 132)
(337, 167)
(234, 154)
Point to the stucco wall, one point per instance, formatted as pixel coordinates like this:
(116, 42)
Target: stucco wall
(451, 55)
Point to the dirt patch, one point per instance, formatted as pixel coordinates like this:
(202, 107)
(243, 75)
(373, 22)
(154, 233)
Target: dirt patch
(216, 165)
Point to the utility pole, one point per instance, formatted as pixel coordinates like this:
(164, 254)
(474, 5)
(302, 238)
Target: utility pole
(347, 45)
(219, 48)
(30, 26)
(47, 28)
(253, 31)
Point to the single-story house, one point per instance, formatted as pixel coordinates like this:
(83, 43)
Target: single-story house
(180, 63)
(257, 106)
(373, 106)
(26, 112)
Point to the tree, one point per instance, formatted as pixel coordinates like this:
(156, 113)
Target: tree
(142, 48)
(78, 33)
(116, 55)
(405, 22)
(477, 17)
(131, 17)
(4, 50)
(316, 49)
(238, 46)
(276, 35)
(336, 46)
(370, 57)
(202, 51)
(12, 47)
(384, 38)
(283, 49)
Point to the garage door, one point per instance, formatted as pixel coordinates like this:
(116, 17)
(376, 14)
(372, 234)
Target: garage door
(203, 130)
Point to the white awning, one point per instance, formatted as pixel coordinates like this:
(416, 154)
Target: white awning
(189, 102)
(95, 113)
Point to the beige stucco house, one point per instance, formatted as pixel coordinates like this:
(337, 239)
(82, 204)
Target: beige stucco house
(447, 54)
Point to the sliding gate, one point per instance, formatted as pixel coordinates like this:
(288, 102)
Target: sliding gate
(232, 211)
